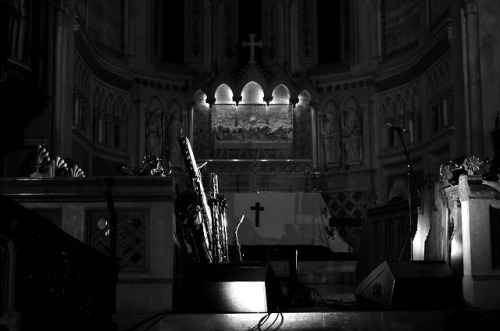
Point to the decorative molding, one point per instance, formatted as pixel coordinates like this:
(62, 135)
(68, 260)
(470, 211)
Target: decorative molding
(98, 69)
(41, 165)
(347, 204)
(131, 227)
(416, 70)
(245, 166)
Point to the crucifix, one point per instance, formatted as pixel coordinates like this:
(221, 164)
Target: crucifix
(257, 209)
(252, 44)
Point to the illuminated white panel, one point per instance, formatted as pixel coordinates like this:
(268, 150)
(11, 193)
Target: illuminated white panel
(281, 95)
(224, 95)
(252, 93)
(244, 296)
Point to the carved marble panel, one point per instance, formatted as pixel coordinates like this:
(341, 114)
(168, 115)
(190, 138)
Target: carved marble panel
(122, 234)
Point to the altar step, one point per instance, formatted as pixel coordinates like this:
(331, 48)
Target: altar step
(439, 320)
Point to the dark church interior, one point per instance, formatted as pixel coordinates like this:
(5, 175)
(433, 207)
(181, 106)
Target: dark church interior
(249, 165)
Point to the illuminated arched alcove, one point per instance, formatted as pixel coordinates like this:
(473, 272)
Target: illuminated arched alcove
(281, 95)
(224, 95)
(223, 113)
(252, 93)
(200, 100)
(304, 99)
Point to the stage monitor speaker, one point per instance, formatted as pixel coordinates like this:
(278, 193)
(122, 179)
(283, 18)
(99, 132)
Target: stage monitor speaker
(410, 285)
(230, 287)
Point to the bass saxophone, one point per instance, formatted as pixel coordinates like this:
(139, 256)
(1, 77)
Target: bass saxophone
(198, 212)
(219, 221)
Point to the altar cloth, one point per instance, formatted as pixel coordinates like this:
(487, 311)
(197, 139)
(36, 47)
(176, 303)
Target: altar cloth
(282, 218)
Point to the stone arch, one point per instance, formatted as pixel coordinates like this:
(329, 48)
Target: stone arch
(350, 101)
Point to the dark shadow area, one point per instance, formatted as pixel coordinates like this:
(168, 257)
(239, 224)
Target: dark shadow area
(61, 283)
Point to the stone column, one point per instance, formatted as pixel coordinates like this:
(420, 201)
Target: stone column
(62, 85)
(481, 281)
(314, 132)
(453, 235)
(475, 127)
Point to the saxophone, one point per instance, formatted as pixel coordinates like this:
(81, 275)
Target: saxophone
(218, 206)
(198, 212)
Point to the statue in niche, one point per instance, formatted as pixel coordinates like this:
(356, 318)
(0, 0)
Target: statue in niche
(154, 133)
(331, 139)
(351, 135)
(173, 132)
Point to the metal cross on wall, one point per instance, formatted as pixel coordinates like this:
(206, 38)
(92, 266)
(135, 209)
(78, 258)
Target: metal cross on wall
(252, 44)
(257, 209)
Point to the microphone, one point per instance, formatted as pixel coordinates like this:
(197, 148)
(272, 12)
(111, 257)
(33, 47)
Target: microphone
(396, 128)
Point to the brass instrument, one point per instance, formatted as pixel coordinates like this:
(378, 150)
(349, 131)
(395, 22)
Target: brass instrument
(239, 254)
(218, 206)
(198, 213)
(206, 218)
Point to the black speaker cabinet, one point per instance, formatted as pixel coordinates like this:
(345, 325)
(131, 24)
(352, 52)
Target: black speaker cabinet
(410, 285)
(230, 287)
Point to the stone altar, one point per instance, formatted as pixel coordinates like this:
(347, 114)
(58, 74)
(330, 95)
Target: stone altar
(129, 219)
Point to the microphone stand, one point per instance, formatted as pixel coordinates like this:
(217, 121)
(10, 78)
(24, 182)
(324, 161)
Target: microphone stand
(410, 174)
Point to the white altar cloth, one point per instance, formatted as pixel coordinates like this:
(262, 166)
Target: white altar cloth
(282, 218)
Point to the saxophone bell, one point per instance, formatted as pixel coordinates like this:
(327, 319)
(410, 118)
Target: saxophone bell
(187, 208)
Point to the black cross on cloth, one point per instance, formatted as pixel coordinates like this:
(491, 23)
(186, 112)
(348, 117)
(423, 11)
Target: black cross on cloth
(257, 209)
